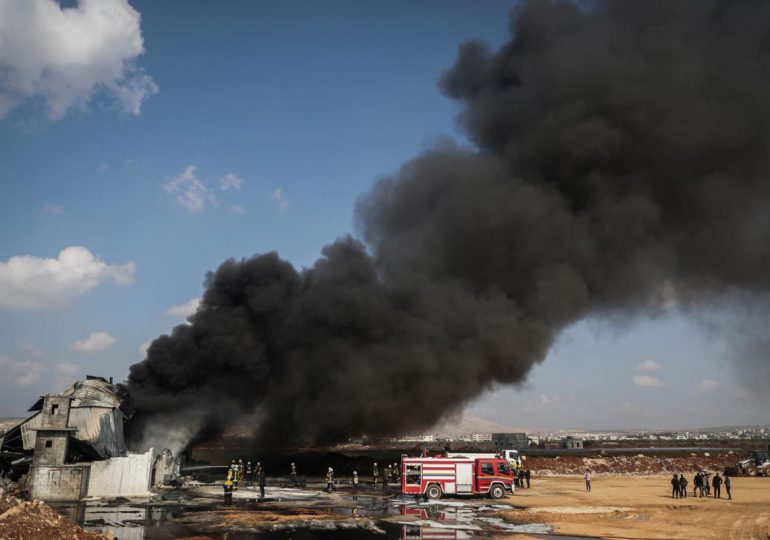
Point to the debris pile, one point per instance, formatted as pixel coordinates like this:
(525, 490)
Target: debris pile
(639, 464)
(24, 520)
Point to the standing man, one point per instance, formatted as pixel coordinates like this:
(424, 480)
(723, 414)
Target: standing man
(682, 486)
(261, 479)
(696, 484)
(675, 487)
(248, 476)
(526, 476)
(228, 487)
(727, 488)
(293, 475)
(587, 478)
(330, 480)
(396, 473)
(375, 474)
(717, 486)
(355, 483)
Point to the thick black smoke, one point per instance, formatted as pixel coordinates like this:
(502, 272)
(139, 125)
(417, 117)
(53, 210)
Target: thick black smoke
(621, 163)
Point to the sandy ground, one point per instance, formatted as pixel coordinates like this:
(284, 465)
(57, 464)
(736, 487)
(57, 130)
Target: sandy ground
(642, 508)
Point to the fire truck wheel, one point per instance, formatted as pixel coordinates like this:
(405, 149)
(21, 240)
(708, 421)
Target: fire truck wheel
(433, 491)
(497, 491)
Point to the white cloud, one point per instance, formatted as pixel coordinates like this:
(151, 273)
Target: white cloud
(143, 349)
(31, 282)
(647, 365)
(97, 341)
(190, 191)
(184, 310)
(21, 373)
(63, 56)
(230, 181)
(237, 209)
(647, 381)
(53, 209)
(280, 197)
(707, 385)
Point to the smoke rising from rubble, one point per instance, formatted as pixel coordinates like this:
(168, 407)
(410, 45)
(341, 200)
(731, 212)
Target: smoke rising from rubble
(621, 162)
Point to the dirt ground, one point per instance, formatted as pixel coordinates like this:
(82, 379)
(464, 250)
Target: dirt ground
(642, 508)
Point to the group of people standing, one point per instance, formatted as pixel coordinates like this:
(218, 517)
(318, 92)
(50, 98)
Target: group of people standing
(237, 473)
(390, 474)
(701, 485)
(521, 476)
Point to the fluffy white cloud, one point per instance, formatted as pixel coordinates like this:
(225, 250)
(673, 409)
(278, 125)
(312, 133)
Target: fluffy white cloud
(647, 365)
(280, 197)
(31, 282)
(97, 341)
(230, 181)
(647, 381)
(707, 385)
(63, 56)
(190, 191)
(21, 373)
(184, 310)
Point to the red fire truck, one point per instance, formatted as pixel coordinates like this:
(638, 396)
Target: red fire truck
(438, 476)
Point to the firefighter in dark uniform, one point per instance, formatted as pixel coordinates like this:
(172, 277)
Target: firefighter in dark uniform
(375, 474)
(293, 475)
(261, 479)
(228, 487)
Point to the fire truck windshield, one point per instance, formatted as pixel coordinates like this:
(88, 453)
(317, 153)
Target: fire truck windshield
(503, 468)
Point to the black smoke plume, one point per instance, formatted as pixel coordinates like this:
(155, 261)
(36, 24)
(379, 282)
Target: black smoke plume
(620, 162)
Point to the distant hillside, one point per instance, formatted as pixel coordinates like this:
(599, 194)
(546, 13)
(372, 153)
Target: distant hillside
(466, 424)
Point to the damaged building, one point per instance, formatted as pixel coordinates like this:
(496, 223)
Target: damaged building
(73, 447)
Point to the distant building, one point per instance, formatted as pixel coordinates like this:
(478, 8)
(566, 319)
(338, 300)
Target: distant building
(509, 440)
(481, 437)
(571, 443)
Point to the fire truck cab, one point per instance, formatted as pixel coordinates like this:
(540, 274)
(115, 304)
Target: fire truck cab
(438, 476)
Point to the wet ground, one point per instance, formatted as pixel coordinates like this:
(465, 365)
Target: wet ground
(301, 514)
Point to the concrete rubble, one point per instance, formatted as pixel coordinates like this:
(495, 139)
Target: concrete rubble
(23, 520)
(640, 464)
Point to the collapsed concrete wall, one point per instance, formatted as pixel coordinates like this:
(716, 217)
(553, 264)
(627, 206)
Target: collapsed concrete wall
(127, 476)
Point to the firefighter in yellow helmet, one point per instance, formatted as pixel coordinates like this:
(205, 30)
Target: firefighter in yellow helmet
(330, 480)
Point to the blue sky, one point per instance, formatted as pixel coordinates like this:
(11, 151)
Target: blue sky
(190, 134)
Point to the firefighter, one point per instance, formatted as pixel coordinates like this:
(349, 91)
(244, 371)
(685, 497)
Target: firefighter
(249, 471)
(293, 475)
(228, 487)
(236, 475)
(396, 473)
(261, 479)
(355, 483)
(375, 474)
(330, 480)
